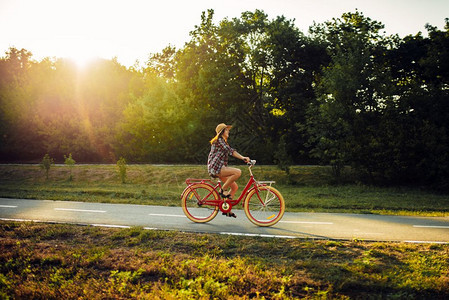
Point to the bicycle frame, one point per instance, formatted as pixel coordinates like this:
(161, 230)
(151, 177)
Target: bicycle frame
(225, 205)
(263, 205)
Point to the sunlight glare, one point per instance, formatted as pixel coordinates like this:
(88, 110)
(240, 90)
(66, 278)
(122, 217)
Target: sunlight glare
(81, 61)
(81, 52)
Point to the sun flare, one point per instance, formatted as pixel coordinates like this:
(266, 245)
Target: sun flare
(81, 56)
(82, 61)
(81, 52)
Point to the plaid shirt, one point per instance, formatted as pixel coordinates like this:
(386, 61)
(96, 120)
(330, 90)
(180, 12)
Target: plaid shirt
(218, 156)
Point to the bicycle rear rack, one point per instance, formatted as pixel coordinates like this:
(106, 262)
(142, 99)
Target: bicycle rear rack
(203, 180)
(197, 180)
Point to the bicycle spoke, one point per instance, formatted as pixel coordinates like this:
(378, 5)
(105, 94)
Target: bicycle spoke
(264, 206)
(195, 203)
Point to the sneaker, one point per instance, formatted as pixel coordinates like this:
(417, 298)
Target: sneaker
(230, 214)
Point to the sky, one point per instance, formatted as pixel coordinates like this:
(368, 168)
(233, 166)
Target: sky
(131, 30)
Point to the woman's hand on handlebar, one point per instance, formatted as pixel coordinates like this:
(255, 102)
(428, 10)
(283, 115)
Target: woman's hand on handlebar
(250, 162)
(246, 159)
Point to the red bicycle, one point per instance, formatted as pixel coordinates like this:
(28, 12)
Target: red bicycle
(263, 204)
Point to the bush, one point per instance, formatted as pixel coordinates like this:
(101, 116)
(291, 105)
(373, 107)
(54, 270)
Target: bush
(70, 162)
(121, 166)
(46, 163)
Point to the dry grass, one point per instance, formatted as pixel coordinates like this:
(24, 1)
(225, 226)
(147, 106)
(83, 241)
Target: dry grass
(45, 261)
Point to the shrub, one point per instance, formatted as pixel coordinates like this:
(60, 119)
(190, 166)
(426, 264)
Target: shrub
(121, 166)
(46, 163)
(70, 162)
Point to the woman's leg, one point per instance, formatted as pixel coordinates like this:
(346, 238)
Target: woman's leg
(229, 176)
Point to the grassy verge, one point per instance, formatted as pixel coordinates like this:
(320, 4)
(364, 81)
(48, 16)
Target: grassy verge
(53, 261)
(315, 190)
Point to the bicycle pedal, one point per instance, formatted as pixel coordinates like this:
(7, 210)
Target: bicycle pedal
(229, 215)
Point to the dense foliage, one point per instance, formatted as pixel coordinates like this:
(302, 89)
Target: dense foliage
(346, 94)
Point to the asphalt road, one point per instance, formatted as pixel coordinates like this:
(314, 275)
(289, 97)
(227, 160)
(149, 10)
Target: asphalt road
(333, 226)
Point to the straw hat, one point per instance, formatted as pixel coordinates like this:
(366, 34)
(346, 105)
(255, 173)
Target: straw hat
(222, 126)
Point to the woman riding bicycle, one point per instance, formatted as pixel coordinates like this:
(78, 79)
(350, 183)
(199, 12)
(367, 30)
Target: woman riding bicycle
(217, 163)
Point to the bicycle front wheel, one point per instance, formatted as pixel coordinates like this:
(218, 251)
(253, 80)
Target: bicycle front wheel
(193, 203)
(264, 206)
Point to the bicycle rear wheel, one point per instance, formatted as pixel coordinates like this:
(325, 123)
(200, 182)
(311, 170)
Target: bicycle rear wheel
(193, 203)
(264, 206)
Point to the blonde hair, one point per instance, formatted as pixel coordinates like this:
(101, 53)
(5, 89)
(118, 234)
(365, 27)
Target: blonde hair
(219, 130)
(218, 136)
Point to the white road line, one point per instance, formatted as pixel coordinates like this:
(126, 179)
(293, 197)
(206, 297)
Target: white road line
(52, 201)
(425, 242)
(428, 226)
(300, 222)
(165, 215)
(110, 226)
(80, 210)
(259, 235)
(8, 206)
(17, 220)
(121, 226)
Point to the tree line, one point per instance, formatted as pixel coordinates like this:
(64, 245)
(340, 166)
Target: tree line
(345, 94)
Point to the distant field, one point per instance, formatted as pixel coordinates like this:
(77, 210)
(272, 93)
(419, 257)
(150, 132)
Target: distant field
(308, 188)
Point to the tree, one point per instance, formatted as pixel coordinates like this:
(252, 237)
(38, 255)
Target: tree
(16, 106)
(46, 164)
(419, 116)
(252, 72)
(209, 74)
(297, 62)
(382, 102)
(70, 162)
(164, 63)
(352, 92)
(156, 126)
(121, 169)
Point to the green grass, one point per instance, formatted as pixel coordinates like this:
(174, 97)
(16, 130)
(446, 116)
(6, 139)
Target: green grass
(54, 261)
(314, 188)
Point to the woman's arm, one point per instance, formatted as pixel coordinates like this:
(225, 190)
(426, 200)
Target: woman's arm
(239, 156)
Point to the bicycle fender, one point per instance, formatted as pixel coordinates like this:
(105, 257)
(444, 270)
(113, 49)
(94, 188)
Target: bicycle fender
(188, 187)
(247, 193)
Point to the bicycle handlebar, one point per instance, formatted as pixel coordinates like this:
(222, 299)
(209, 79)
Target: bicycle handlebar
(251, 162)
